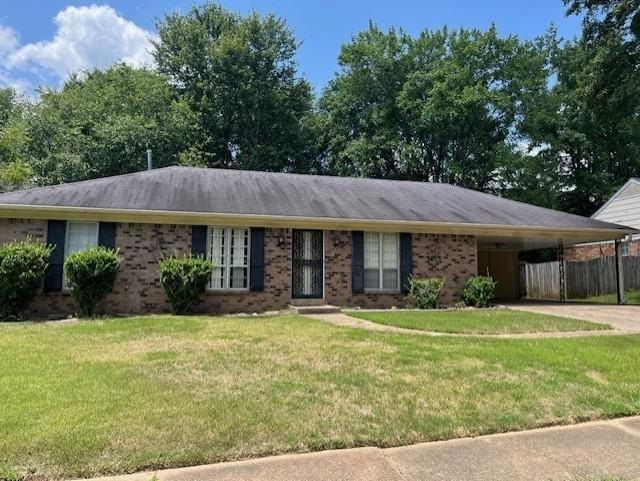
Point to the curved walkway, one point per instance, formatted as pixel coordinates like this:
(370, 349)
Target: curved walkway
(343, 320)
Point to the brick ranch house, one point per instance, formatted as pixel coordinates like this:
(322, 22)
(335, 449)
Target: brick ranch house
(279, 239)
(622, 208)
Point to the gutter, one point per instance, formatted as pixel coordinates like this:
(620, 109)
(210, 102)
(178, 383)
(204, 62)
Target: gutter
(23, 211)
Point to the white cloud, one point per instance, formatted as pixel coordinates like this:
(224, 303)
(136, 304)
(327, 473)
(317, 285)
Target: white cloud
(87, 37)
(8, 40)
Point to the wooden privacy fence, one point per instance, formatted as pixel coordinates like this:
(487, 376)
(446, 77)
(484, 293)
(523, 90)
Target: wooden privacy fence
(542, 280)
(582, 279)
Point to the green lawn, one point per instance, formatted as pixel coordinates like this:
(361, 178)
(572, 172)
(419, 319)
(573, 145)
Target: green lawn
(478, 321)
(631, 297)
(121, 395)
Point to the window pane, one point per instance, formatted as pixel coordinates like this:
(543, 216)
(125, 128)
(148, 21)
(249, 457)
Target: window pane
(81, 236)
(371, 278)
(390, 251)
(239, 247)
(371, 250)
(238, 277)
(390, 279)
(217, 281)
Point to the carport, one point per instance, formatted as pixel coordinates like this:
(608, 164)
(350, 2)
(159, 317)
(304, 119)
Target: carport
(499, 257)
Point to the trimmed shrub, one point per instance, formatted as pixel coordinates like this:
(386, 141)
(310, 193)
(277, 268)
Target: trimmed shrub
(479, 291)
(91, 274)
(184, 280)
(424, 293)
(22, 269)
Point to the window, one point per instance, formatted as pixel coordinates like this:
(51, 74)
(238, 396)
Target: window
(80, 236)
(381, 259)
(228, 248)
(624, 248)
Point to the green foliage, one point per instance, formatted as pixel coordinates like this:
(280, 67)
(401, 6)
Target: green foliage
(240, 74)
(22, 269)
(443, 107)
(424, 293)
(184, 280)
(102, 123)
(479, 291)
(91, 274)
(14, 141)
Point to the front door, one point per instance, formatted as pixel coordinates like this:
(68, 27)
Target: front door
(307, 264)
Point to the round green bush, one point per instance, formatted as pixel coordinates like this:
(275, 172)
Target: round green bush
(91, 275)
(184, 280)
(424, 293)
(22, 269)
(479, 291)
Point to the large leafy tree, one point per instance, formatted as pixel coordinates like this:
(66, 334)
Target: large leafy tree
(444, 106)
(590, 129)
(14, 141)
(102, 123)
(239, 73)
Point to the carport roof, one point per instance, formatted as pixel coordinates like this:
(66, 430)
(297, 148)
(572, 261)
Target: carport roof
(189, 190)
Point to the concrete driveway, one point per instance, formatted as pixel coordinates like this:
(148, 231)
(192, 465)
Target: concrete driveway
(621, 318)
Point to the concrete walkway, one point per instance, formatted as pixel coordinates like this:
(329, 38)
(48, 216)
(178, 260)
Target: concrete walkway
(622, 318)
(343, 320)
(550, 454)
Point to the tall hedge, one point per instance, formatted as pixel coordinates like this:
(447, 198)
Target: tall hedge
(22, 269)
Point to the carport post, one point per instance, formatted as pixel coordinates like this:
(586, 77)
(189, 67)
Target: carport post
(562, 278)
(619, 273)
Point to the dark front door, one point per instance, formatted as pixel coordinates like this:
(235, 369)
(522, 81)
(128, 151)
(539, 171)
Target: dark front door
(307, 264)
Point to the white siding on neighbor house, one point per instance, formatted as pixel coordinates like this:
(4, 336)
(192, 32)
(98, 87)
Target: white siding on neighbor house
(624, 207)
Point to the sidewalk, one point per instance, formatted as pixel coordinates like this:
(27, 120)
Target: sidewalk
(549, 454)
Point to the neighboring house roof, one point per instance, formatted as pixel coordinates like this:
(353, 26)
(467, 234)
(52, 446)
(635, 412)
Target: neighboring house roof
(250, 193)
(624, 206)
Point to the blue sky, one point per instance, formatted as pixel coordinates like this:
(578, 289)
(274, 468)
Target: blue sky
(42, 41)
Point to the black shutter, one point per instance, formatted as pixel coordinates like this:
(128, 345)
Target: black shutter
(256, 260)
(107, 234)
(406, 261)
(199, 240)
(56, 230)
(357, 262)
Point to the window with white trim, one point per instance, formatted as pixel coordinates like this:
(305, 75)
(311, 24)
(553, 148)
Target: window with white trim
(228, 248)
(80, 236)
(624, 248)
(381, 261)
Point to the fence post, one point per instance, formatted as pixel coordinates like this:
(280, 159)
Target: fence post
(619, 273)
(562, 279)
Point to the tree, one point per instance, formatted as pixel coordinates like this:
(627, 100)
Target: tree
(444, 106)
(14, 141)
(101, 123)
(604, 16)
(240, 75)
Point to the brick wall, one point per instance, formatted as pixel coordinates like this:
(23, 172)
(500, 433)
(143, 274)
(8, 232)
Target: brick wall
(138, 290)
(588, 252)
(453, 257)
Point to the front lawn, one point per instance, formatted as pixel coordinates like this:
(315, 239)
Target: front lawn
(121, 395)
(478, 321)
